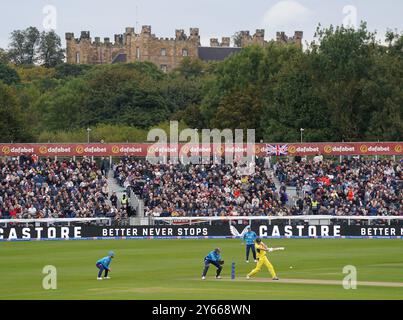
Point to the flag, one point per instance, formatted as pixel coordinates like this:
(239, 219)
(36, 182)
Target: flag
(277, 150)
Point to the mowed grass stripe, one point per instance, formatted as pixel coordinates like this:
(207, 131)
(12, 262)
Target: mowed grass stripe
(310, 281)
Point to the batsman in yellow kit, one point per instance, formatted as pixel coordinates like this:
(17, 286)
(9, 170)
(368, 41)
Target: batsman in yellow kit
(261, 250)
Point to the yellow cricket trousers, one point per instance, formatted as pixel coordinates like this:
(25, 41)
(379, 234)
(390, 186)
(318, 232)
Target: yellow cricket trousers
(260, 263)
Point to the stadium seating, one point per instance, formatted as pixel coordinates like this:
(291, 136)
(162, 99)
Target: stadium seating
(49, 189)
(353, 187)
(73, 189)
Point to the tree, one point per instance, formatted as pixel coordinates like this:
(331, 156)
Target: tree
(191, 116)
(346, 85)
(34, 73)
(293, 103)
(8, 75)
(237, 38)
(387, 124)
(32, 37)
(240, 109)
(131, 94)
(24, 46)
(395, 42)
(235, 97)
(191, 67)
(50, 49)
(343, 69)
(12, 125)
(66, 70)
(64, 108)
(17, 47)
(4, 56)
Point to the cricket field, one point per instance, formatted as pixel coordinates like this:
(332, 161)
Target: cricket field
(171, 269)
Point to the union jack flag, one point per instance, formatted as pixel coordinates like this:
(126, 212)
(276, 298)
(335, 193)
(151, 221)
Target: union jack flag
(277, 150)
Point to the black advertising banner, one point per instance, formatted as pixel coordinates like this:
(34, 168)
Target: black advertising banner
(199, 231)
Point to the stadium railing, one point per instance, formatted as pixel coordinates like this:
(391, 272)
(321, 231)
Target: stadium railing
(311, 219)
(135, 202)
(52, 221)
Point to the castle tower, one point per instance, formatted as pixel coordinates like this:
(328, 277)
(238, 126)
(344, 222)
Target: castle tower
(78, 50)
(214, 42)
(129, 35)
(85, 35)
(258, 37)
(119, 39)
(246, 39)
(180, 35)
(225, 41)
(194, 36)
(146, 30)
(298, 35)
(281, 38)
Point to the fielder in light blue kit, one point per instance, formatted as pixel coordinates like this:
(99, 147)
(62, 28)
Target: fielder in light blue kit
(250, 237)
(103, 264)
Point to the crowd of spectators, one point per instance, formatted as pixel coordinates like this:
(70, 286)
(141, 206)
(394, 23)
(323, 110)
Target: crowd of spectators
(352, 187)
(44, 188)
(203, 189)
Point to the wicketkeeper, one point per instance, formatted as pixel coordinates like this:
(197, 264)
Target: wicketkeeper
(215, 259)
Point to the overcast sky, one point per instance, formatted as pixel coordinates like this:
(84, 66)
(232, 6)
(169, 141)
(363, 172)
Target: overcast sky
(214, 18)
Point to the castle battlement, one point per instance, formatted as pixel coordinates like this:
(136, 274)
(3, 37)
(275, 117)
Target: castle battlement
(282, 38)
(166, 52)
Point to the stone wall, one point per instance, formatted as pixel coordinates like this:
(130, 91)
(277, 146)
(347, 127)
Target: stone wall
(166, 53)
(145, 46)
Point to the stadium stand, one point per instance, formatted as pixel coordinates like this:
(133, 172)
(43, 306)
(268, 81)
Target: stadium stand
(353, 187)
(44, 188)
(32, 188)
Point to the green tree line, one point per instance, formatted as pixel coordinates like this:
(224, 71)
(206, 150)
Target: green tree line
(345, 85)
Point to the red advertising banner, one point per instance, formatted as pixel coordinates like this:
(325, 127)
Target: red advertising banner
(151, 149)
(343, 148)
(76, 149)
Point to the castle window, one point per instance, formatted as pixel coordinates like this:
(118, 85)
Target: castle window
(164, 68)
(78, 57)
(185, 52)
(138, 53)
(163, 52)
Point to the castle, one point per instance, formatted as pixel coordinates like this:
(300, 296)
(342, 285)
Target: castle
(166, 53)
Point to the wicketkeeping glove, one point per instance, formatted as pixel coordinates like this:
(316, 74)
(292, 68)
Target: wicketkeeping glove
(221, 262)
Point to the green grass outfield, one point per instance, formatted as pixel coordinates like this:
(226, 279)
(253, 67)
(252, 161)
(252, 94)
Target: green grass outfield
(171, 269)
